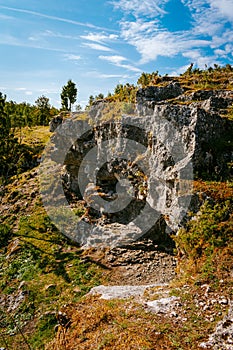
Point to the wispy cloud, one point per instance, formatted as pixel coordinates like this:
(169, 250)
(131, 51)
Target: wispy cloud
(151, 42)
(72, 57)
(113, 59)
(48, 91)
(20, 89)
(98, 47)
(208, 30)
(24, 90)
(225, 7)
(150, 8)
(5, 17)
(60, 19)
(99, 75)
(51, 34)
(11, 40)
(99, 37)
(119, 62)
(200, 60)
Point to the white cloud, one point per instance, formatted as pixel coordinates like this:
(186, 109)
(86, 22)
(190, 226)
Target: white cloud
(118, 61)
(151, 42)
(96, 74)
(225, 7)
(99, 37)
(149, 8)
(113, 59)
(72, 57)
(5, 17)
(99, 47)
(209, 16)
(207, 30)
(20, 89)
(200, 61)
(14, 41)
(54, 18)
(49, 33)
(131, 68)
(49, 91)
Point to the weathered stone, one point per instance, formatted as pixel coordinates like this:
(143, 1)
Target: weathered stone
(119, 292)
(178, 142)
(222, 338)
(147, 98)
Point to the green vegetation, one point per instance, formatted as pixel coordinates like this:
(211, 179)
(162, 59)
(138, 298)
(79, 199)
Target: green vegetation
(14, 157)
(23, 114)
(205, 244)
(39, 267)
(193, 79)
(68, 95)
(205, 238)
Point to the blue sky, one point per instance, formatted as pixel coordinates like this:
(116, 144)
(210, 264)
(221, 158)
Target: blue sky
(99, 43)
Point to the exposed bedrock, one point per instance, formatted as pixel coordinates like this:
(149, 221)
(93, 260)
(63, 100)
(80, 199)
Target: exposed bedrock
(136, 173)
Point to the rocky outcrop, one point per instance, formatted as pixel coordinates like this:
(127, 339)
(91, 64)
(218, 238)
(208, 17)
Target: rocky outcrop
(147, 98)
(55, 122)
(135, 172)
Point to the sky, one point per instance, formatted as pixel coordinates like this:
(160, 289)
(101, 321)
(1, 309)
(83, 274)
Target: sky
(99, 43)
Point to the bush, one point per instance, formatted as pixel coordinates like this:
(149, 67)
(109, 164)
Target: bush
(205, 245)
(211, 228)
(5, 235)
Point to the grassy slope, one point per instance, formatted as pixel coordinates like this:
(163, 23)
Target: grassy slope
(37, 261)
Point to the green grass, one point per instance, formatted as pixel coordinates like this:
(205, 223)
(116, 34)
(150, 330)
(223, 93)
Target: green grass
(37, 259)
(34, 136)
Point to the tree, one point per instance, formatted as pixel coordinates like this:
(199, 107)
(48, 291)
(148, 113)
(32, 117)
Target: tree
(118, 89)
(7, 141)
(4, 121)
(68, 95)
(43, 106)
(99, 97)
(144, 80)
(189, 69)
(78, 108)
(90, 102)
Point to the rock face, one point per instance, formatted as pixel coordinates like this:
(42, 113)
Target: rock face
(149, 97)
(138, 170)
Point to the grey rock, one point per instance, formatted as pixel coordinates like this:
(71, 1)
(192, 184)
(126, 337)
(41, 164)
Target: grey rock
(222, 338)
(163, 305)
(148, 97)
(120, 292)
(178, 141)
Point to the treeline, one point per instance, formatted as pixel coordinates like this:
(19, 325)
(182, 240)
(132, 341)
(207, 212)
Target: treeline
(216, 69)
(25, 114)
(14, 157)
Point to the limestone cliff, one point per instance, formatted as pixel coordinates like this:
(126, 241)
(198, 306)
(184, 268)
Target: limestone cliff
(154, 154)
